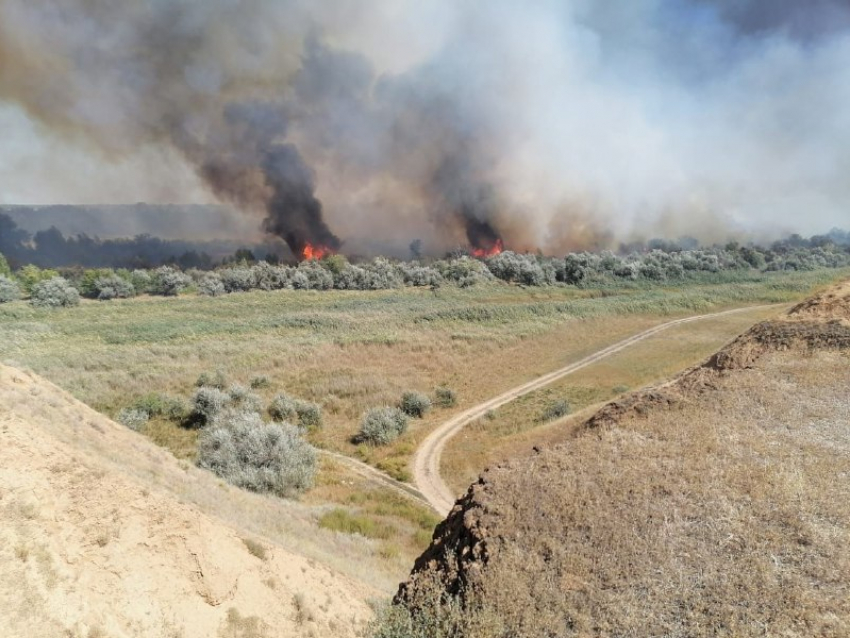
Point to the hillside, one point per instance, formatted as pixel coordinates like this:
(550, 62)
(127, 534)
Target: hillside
(714, 505)
(99, 537)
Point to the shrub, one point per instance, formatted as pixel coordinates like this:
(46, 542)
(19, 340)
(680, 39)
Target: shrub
(317, 277)
(381, 426)
(85, 283)
(214, 380)
(351, 278)
(446, 397)
(237, 392)
(261, 457)
(208, 403)
(30, 275)
(334, 264)
(210, 285)
(141, 280)
(9, 290)
(555, 410)
(259, 382)
(384, 275)
(309, 413)
(169, 407)
(464, 271)
(416, 275)
(300, 281)
(282, 408)
(5, 271)
(524, 269)
(169, 282)
(415, 404)
(132, 418)
(54, 293)
(269, 277)
(113, 287)
(237, 279)
(286, 408)
(246, 400)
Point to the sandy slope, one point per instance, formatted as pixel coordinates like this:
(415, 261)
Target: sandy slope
(87, 549)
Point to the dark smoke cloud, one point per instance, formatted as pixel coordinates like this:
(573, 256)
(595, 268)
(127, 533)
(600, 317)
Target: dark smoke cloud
(554, 125)
(294, 212)
(809, 20)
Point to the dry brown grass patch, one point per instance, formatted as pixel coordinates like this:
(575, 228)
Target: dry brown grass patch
(710, 507)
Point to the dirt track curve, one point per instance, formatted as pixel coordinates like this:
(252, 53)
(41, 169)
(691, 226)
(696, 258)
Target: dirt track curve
(426, 462)
(375, 475)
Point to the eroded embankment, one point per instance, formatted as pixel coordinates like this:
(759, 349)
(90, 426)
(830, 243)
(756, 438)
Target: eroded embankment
(716, 504)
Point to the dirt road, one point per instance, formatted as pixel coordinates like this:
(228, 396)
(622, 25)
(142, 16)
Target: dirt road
(377, 476)
(426, 462)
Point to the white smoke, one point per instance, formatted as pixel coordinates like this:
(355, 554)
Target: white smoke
(561, 123)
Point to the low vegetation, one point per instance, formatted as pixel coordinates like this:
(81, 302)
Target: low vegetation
(657, 262)
(55, 292)
(133, 418)
(415, 404)
(516, 427)
(383, 425)
(666, 509)
(347, 352)
(556, 410)
(446, 397)
(9, 289)
(208, 403)
(342, 520)
(305, 413)
(261, 457)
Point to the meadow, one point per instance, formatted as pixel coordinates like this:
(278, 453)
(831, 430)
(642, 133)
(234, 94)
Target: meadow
(352, 350)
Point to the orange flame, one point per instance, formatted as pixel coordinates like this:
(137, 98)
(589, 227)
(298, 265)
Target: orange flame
(314, 252)
(495, 249)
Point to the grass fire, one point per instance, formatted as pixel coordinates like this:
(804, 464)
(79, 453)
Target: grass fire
(403, 319)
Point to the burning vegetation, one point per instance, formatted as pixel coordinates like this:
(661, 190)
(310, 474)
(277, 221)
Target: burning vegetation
(494, 249)
(315, 252)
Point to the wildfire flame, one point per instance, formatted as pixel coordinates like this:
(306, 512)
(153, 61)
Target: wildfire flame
(314, 252)
(495, 249)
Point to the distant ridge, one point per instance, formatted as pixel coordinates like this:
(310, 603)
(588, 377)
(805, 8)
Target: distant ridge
(110, 221)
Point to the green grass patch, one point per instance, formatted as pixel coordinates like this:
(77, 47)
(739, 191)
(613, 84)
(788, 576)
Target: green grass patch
(342, 520)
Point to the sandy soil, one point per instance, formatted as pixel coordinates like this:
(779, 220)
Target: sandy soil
(88, 550)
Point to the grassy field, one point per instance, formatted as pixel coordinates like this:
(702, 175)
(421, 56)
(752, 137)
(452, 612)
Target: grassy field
(350, 351)
(515, 428)
(712, 508)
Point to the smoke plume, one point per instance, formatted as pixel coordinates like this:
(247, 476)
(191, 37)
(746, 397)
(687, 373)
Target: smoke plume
(555, 125)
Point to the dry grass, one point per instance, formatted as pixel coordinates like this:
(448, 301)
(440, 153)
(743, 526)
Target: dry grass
(716, 507)
(514, 428)
(398, 528)
(255, 548)
(347, 351)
